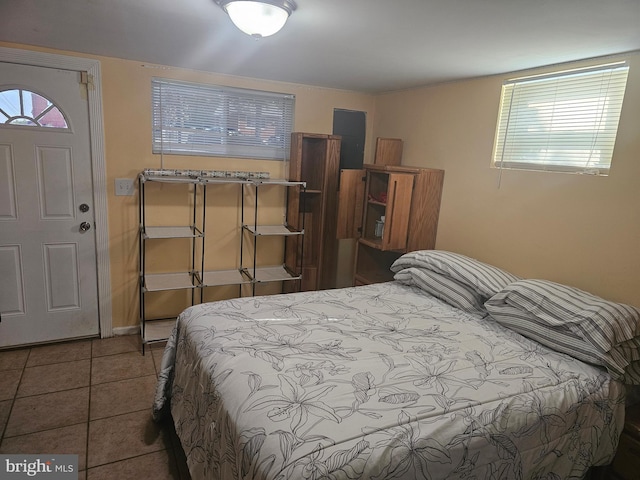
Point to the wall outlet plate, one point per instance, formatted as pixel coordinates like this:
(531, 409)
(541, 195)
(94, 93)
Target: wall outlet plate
(124, 186)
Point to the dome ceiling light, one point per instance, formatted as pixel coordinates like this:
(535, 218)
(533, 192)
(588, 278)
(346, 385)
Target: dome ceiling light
(258, 18)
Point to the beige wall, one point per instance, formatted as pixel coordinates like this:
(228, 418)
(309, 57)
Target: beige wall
(127, 112)
(127, 122)
(579, 230)
(575, 229)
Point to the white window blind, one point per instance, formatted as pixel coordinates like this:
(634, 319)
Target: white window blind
(198, 119)
(565, 121)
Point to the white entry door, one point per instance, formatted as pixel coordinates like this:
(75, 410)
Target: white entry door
(48, 279)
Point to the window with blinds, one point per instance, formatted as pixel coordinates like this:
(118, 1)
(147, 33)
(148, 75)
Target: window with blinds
(565, 121)
(198, 119)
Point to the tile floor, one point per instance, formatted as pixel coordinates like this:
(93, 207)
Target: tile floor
(91, 398)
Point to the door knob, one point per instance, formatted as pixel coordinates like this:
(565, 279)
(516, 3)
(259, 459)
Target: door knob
(84, 226)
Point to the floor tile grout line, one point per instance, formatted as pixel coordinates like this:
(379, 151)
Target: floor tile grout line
(49, 393)
(128, 458)
(113, 354)
(44, 430)
(123, 379)
(13, 401)
(53, 391)
(55, 361)
(117, 414)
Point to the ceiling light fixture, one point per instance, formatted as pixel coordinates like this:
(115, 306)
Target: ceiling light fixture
(258, 18)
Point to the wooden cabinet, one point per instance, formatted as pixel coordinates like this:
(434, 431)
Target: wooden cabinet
(388, 151)
(315, 160)
(391, 210)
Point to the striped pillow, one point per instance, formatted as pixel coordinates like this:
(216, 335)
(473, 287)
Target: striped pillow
(483, 279)
(442, 287)
(601, 323)
(558, 338)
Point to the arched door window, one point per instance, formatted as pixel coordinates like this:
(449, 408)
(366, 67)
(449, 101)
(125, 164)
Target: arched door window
(26, 108)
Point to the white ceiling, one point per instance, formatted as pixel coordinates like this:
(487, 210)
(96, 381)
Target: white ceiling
(361, 45)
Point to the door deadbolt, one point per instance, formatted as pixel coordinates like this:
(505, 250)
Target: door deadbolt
(84, 208)
(84, 226)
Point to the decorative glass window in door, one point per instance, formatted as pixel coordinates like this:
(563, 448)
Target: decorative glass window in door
(26, 108)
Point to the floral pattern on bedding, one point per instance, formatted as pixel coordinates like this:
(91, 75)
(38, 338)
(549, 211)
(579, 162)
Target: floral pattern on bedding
(377, 382)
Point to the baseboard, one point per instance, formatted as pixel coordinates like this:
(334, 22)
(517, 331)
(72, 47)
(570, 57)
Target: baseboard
(133, 330)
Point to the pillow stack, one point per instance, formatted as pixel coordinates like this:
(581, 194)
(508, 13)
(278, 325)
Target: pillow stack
(456, 279)
(575, 322)
(563, 318)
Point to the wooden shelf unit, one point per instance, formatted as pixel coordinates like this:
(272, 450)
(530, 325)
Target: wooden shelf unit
(372, 264)
(409, 200)
(315, 160)
(388, 151)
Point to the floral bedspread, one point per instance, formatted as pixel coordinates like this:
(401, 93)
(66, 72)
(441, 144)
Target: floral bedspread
(377, 382)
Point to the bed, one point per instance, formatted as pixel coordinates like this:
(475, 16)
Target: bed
(408, 379)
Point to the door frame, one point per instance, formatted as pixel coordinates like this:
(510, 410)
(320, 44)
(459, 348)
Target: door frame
(98, 165)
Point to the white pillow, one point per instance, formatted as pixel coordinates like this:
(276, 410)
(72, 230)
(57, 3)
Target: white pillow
(481, 278)
(442, 287)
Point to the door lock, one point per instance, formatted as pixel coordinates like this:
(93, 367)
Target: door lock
(85, 226)
(84, 208)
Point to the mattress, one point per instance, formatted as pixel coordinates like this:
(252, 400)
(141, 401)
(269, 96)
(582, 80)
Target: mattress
(378, 382)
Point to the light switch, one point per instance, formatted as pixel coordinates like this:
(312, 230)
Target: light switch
(124, 186)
